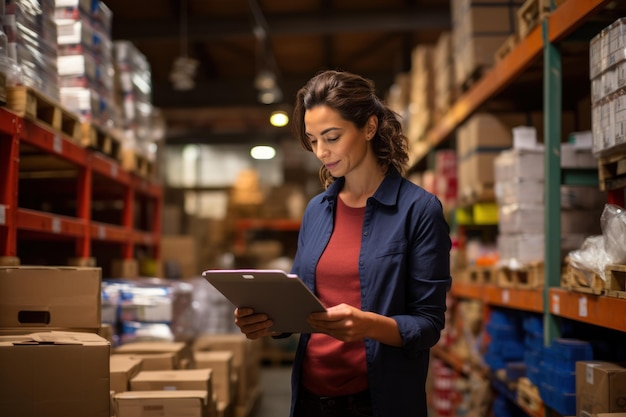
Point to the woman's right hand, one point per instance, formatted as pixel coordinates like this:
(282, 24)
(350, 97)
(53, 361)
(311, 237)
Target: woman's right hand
(253, 325)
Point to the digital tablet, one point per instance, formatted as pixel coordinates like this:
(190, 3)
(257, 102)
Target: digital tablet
(283, 297)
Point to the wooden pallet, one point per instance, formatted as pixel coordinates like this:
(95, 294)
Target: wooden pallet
(530, 14)
(580, 280)
(137, 163)
(476, 193)
(472, 78)
(526, 276)
(32, 105)
(507, 46)
(615, 284)
(481, 274)
(96, 138)
(528, 395)
(612, 171)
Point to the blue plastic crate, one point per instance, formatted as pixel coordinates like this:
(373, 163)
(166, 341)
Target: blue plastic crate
(503, 331)
(533, 324)
(515, 370)
(533, 341)
(561, 380)
(564, 353)
(564, 402)
(573, 349)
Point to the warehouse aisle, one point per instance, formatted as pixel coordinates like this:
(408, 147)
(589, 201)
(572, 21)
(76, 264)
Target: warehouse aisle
(275, 381)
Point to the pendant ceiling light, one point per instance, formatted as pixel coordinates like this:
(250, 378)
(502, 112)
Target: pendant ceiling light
(184, 68)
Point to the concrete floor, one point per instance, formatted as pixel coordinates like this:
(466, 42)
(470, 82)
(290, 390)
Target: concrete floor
(276, 397)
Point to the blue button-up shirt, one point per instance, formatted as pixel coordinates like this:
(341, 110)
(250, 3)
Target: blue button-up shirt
(404, 269)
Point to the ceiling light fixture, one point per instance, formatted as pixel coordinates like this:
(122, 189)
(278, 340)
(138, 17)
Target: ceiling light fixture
(184, 68)
(263, 152)
(279, 118)
(269, 91)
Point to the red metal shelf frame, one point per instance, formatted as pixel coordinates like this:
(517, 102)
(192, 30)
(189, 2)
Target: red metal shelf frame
(15, 130)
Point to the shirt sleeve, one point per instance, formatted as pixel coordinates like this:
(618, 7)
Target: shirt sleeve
(429, 279)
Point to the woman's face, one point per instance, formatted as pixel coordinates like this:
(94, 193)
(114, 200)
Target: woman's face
(338, 143)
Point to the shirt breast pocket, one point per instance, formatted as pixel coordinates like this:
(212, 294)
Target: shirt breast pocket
(392, 248)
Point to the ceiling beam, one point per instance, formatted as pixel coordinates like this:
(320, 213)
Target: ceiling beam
(239, 92)
(303, 24)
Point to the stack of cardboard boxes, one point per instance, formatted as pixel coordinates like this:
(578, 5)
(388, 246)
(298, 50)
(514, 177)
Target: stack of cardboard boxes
(53, 361)
(57, 358)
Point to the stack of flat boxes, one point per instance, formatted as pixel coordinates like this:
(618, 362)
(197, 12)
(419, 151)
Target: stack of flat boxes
(85, 60)
(519, 193)
(607, 56)
(519, 175)
(32, 43)
(162, 376)
(478, 29)
(479, 140)
(422, 96)
(445, 89)
(245, 375)
(53, 360)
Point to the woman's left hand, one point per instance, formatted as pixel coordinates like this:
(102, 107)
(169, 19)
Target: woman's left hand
(342, 322)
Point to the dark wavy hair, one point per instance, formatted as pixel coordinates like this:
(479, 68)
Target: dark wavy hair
(354, 98)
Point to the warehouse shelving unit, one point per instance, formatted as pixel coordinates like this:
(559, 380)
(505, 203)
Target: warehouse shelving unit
(49, 188)
(541, 45)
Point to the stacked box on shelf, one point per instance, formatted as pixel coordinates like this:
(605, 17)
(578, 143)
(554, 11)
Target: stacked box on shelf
(85, 60)
(558, 388)
(607, 60)
(420, 115)
(506, 340)
(519, 176)
(133, 95)
(32, 43)
(446, 178)
(157, 310)
(443, 388)
(399, 97)
(445, 89)
(478, 30)
(478, 142)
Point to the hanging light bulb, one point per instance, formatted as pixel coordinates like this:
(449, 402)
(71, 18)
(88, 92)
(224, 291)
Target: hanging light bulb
(279, 118)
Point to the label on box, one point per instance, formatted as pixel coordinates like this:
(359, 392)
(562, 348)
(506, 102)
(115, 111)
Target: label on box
(3, 215)
(589, 373)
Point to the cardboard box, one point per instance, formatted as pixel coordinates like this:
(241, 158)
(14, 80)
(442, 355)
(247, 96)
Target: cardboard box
(152, 361)
(122, 370)
(50, 298)
(221, 363)
(54, 374)
(600, 387)
(183, 356)
(178, 379)
(183, 251)
(188, 403)
(246, 359)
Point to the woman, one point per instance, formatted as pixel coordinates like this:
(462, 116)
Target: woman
(375, 248)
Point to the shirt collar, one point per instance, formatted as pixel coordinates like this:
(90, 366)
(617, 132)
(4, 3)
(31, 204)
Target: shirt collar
(386, 194)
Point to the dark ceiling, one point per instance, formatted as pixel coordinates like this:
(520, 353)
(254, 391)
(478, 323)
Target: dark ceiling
(371, 37)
